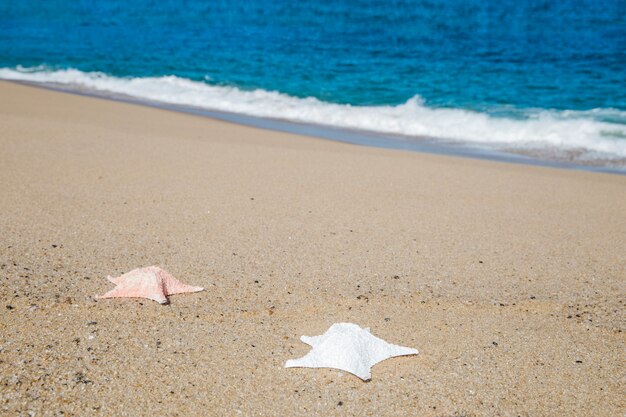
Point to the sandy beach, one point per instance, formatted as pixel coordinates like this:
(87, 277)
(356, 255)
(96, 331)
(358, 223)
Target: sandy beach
(509, 279)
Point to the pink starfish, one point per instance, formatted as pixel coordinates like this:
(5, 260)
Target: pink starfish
(150, 282)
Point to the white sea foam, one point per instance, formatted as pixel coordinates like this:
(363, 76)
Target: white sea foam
(599, 133)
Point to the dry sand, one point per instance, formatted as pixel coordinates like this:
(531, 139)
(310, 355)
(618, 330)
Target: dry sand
(509, 279)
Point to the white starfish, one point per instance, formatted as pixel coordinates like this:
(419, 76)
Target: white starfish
(348, 347)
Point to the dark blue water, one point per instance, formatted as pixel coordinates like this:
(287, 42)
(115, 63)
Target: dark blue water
(504, 59)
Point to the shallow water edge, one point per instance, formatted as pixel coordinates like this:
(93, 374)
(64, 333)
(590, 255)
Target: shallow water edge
(355, 137)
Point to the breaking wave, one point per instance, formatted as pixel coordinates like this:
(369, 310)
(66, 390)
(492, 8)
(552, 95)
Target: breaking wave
(594, 134)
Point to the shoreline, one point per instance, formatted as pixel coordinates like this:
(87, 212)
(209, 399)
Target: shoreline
(507, 278)
(355, 137)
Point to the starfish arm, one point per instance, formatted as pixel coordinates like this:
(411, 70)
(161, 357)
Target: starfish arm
(364, 374)
(312, 340)
(307, 361)
(403, 351)
(293, 363)
(184, 289)
(388, 351)
(173, 286)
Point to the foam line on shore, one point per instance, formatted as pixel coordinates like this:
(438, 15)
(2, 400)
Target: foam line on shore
(592, 135)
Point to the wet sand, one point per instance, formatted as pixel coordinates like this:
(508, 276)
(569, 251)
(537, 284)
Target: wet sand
(509, 279)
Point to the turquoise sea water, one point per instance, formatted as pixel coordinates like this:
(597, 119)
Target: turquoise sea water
(533, 75)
